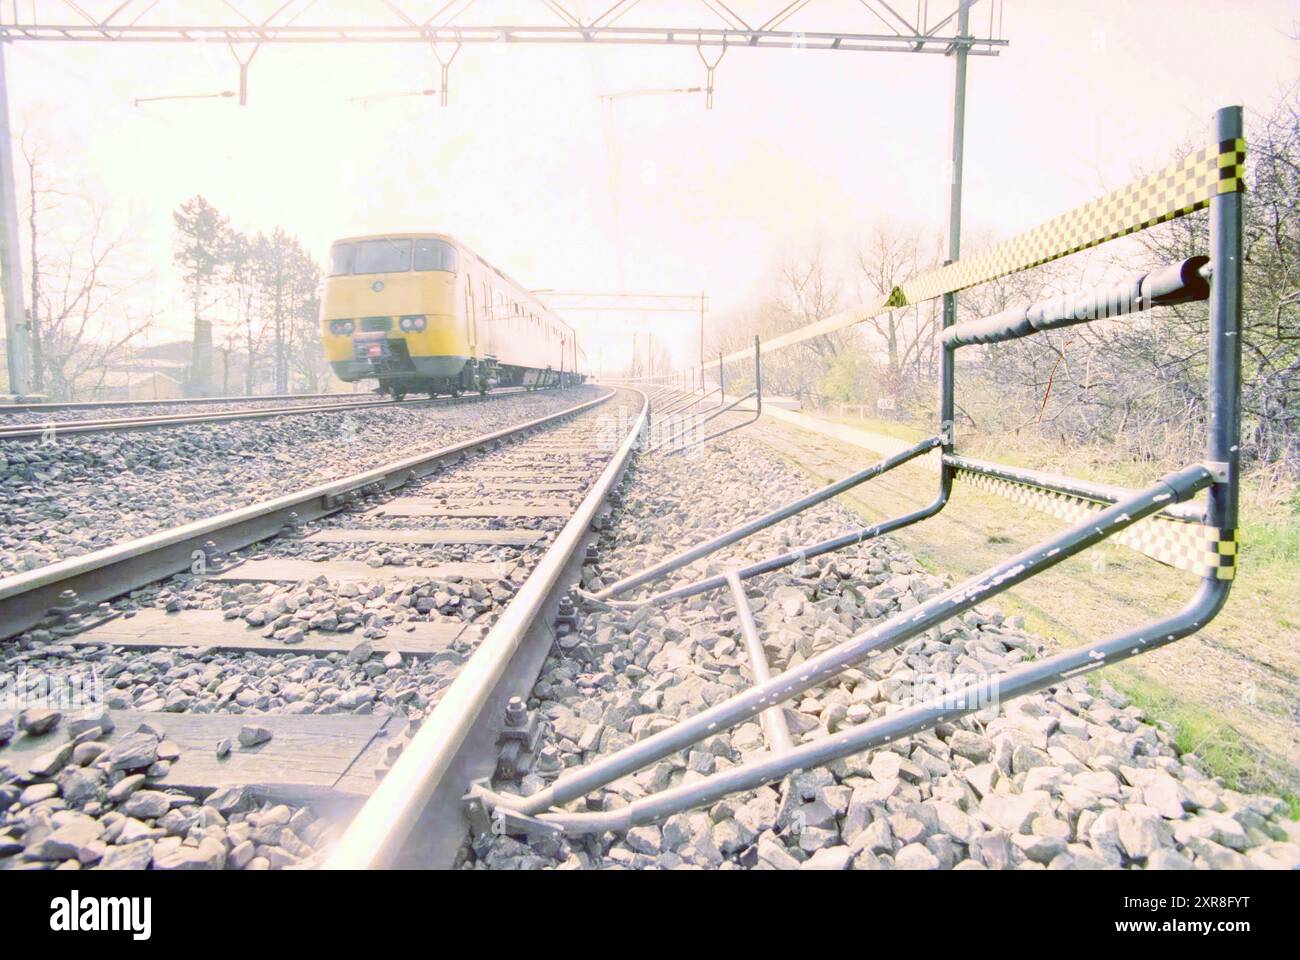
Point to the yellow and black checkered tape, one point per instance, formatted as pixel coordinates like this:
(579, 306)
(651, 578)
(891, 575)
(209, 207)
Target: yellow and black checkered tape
(1207, 551)
(1176, 191)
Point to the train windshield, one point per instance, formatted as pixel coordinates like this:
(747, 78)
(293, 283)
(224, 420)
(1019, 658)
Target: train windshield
(381, 256)
(389, 255)
(431, 254)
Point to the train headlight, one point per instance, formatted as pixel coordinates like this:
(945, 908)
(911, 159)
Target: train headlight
(342, 328)
(413, 323)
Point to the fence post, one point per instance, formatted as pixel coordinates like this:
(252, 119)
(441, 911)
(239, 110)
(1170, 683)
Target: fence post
(947, 404)
(1225, 335)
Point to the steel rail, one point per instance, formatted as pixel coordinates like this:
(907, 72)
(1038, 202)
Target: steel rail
(26, 598)
(21, 407)
(376, 835)
(52, 428)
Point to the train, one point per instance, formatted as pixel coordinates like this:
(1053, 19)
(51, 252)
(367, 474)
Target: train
(423, 313)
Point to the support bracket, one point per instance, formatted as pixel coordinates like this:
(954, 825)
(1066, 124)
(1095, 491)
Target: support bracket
(709, 68)
(243, 70)
(444, 64)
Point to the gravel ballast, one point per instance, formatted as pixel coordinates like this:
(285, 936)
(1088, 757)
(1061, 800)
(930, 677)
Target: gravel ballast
(1068, 778)
(78, 494)
(113, 808)
(56, 414)
(88, 805)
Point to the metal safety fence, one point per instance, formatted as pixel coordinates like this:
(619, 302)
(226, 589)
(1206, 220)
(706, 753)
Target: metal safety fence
(1211, 177)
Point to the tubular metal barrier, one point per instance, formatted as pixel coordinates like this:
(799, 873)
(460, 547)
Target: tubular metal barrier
(1177, 283)
(823, 667)
(671, 441)
(1212, 177)
(761, 523)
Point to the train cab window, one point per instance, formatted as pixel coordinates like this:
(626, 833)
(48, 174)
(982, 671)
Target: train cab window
(341, 259)
(432, 254)
(381, 256)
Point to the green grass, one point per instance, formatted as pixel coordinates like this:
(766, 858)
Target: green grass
(1270, 540)
(899, 431)
(1222, 749)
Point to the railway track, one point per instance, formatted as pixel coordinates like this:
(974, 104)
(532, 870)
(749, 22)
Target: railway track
(334, 678)
(182, 402)
(1067, 778)
(50, 428)
(300, 642)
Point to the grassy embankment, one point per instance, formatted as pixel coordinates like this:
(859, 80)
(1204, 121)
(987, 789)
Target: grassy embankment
(1227, 694)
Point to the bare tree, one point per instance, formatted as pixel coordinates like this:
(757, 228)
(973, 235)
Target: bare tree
(887, 260)
(240, 275)
(86, 300)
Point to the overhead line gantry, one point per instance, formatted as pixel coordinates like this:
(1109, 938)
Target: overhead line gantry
(446, 26)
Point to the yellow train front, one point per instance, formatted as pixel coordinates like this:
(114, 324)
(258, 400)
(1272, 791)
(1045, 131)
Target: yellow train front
(422, 313)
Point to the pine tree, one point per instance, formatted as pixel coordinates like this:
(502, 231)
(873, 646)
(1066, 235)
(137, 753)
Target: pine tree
(202, 247)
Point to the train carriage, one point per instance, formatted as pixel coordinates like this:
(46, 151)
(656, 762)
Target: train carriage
(422, 313)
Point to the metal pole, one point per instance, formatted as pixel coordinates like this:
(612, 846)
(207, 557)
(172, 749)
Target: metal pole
(746, 530)
(992, 690)
(773, 718)
(1225, 338)
(962, 47)
(947, 404)
(17, 332)
(798, 555)
(702, 302)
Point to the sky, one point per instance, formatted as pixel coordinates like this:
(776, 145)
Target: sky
(803, 149)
